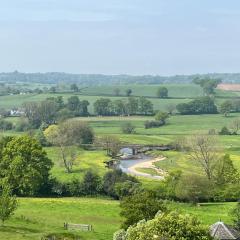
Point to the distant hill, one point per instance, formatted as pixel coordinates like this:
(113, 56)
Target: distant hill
(100, 79)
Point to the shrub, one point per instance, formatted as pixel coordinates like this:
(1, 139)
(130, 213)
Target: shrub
(126, 188)
(153, 124)
(143, 205)
(193, 188)
(225, 131)
(22, 125)
(203, 105)
(169, 226)
(120, 235)
(5, 125)
(91, 184)
(161, 117)
(128, 128)
(110, 180)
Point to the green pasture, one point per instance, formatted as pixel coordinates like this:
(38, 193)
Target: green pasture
(85, 161)
(174, 90)
(36, 217)
(177, 126)
(207, 213)
(12, 101)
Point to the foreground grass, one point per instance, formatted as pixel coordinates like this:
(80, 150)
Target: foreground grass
(36, 217)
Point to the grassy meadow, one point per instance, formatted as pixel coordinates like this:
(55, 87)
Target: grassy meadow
(36, 217)
(178, 93)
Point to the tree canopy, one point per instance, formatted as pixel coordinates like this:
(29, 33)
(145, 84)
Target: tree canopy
(24, 164)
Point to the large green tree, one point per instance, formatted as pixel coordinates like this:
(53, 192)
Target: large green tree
(162, 92)
(226, 107)
(24, 165)
(208, 84)
(145, 106)
(103, 107)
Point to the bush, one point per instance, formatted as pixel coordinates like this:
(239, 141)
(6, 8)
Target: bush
(194, 188)
(153, 124)
(42, 139)
(128, 128)
(5, 125)
(64, 114)
(143, 205)
(162, 92)
(110, 180)
(225, 131)
(228, 193)
(120, 235)
(22, 125)
(171, 226)
(203, 105)
(91, 184)
(212, 131)
(126, 188)
(161, 117)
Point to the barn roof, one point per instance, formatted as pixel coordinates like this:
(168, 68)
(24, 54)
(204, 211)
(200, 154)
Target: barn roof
(222, 231)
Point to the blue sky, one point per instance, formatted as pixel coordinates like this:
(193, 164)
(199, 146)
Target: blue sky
(165, 37)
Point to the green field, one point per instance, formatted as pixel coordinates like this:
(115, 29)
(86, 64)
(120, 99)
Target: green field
(85, 161)
(178, 93)
(177, 126)
(12, 101)
(174, 90)
(36, 217)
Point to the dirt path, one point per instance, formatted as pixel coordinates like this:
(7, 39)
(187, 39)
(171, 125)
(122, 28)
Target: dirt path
(148, 164)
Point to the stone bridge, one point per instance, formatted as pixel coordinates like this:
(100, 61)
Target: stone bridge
(140, 148)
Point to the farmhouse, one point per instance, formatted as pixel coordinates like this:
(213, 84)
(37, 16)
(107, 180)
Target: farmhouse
(222, 231)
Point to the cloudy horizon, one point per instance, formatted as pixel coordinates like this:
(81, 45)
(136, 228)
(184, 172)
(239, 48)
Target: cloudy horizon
(135, 37)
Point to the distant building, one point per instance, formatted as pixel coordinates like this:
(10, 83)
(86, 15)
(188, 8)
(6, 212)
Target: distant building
(222, 231)
(16, 112)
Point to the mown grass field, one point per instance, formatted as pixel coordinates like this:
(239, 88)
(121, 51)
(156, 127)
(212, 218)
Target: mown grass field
(174, 90)
(36, 217)
(85, 161)
(178, 93)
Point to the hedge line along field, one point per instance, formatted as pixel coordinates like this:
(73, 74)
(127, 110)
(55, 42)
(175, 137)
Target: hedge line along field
(178, 93)
(13, 101)
(48, 215)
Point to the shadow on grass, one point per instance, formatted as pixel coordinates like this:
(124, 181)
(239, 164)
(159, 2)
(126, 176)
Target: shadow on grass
(210, 204)
(61, 236)
(81, 170)
(12, 229)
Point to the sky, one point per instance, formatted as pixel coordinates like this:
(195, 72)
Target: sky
(139, 37)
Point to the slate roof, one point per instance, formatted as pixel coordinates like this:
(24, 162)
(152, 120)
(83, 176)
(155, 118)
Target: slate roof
(222, 231)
